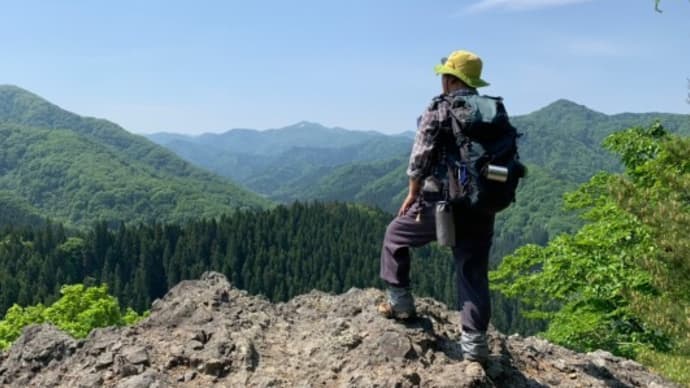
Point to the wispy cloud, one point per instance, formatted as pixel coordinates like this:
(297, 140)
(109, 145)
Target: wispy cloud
(518, 5)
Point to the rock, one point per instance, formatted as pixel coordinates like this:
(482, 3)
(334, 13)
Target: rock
(394, 345)
(104, 360)
(207, 333)
(413, 378)
(137, 355)
(127, 370)
(189, 376)
(90, 381)
(215, 367)
(146, 380)
(194, 345)
(39, 347)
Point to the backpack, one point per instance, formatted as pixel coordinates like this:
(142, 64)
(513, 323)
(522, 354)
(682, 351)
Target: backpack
(481, 154)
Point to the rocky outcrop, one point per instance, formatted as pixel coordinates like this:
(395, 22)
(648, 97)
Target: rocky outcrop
(207, 333)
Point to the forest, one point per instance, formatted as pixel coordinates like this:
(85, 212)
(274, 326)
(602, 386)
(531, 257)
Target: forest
(89, 211)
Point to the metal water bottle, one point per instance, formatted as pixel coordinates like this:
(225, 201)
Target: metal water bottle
(497, 173)
(445, 225)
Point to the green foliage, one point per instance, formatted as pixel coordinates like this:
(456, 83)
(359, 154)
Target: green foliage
(622, 281)
(17, 211)
(16, 319)
(78, 311)
(81, 309)
(578, 282)
(657, 194)
(673, 366)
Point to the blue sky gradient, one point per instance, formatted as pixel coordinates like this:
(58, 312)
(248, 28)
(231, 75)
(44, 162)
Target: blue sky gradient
(209, 66)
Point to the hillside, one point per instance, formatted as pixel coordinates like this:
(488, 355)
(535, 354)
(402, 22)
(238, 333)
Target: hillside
(208, 333)
(565, 137)
(17, 211)
(78, 169)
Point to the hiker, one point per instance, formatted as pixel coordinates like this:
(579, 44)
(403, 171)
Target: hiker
(415, 226)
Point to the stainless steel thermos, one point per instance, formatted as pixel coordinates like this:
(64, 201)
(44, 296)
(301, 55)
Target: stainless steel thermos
(496, 173)
(445, 224)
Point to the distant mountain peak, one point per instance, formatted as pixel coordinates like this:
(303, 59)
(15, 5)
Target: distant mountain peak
(564, 104)
(15, 92)
(304, 123)
(21, 99)
(21, 106)
(12, 88)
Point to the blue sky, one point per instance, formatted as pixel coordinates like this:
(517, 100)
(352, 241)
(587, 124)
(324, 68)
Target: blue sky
(209, 66)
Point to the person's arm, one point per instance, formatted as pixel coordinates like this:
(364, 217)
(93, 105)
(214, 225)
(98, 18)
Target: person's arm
(421, 155)
(413, 192)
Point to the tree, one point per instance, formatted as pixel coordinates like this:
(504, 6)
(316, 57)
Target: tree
(622, 281)
(78, 311)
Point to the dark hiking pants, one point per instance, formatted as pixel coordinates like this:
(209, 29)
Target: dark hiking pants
(474, 232)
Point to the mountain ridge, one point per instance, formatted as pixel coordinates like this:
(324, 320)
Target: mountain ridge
(559, 104)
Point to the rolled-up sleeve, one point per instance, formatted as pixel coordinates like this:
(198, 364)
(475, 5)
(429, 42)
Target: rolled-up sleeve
(424, 145)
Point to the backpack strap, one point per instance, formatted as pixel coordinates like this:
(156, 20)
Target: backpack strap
(456, 171)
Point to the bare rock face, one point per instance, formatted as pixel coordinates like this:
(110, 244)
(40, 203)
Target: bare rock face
(207, 333)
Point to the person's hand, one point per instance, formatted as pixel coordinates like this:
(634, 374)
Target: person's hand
(409, 200)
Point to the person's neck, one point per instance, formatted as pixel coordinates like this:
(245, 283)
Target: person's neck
(452, 90)
(455, 88)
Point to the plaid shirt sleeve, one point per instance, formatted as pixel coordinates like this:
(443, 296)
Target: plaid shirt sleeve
(424, 147)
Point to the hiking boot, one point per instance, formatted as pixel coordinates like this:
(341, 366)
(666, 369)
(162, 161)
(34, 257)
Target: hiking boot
(400, 304)
(389, 311)
(474, 347)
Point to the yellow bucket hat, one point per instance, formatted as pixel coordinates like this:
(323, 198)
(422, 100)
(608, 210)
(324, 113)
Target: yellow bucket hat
(465, 65)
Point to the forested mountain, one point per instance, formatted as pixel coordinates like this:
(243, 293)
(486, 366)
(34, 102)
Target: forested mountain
(57, 164)
(17, 211)
(309, 161)
(275, 162)
(565, 137)
(272, 141)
